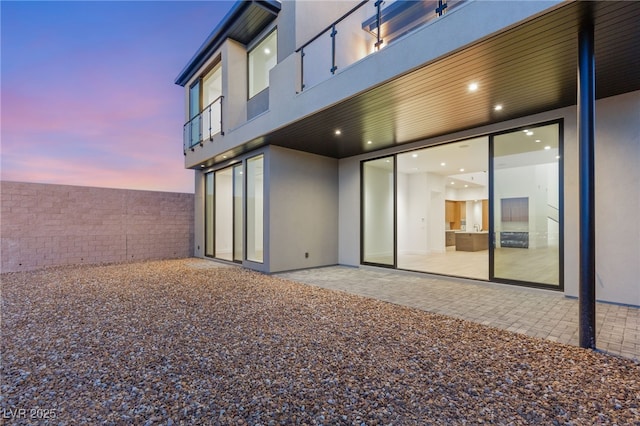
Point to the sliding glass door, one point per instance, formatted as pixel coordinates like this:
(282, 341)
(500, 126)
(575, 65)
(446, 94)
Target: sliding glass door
(238, 194)
(526, 205)
(378, 211)
(255, 209)
(224, 214)
(223, 222)
(484, 208)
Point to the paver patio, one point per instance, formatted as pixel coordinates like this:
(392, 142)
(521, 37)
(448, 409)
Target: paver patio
(538, 313)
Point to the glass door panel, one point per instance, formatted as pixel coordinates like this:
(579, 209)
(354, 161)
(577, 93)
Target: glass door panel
(208, 215)
(238, 190)
(443, 219)
(378, 212)
(526, 205)
(224, 214)
(255, 209)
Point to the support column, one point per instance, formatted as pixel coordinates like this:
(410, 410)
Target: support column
(586, 146)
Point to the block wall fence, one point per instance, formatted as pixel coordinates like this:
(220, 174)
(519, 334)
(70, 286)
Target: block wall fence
(45, 225)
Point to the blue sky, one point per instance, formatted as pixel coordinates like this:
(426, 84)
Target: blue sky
(87, 90)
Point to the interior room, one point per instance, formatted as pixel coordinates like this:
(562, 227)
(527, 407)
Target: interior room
(443, 217)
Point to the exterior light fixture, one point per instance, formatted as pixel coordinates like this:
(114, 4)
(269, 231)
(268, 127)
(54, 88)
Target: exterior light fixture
(415, 155)
(267, 51)
(473, 87)
(369, 142)
(538, 141)
(497, 107)
(338, 132)
(547, 147)
(529, 133)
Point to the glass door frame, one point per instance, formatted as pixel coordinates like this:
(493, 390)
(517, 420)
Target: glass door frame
(393, 157)
(491, 202)
(492, 230)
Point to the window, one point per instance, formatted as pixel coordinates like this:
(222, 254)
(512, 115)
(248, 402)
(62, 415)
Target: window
(378, 213)
(262, 58)
(255, 208)
(208, 215)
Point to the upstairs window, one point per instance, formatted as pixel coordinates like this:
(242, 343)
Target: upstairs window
(262, 58)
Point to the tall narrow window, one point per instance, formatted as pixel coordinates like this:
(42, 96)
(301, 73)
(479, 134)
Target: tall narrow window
(262, 58)
(238, 191)
(255, 209)
(378, 211)
(211, 106)
(208, 215)
(526, 205)
(194, 111)
(224, 214)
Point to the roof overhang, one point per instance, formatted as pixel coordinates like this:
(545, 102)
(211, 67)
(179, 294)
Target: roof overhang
(242, 23)
(528, 68)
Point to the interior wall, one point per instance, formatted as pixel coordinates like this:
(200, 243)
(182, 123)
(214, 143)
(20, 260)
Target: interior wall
(303, 203)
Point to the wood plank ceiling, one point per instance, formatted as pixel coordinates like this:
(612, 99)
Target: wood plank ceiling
(528, 69)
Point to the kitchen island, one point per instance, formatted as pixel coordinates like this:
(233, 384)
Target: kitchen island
(472, 241)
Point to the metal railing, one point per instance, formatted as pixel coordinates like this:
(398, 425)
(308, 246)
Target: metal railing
(203, 126)
(361, 32)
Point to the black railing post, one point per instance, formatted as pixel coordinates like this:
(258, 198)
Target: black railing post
(302, 68)
(333, 49)
(221, 130)
(378, 5)
(210, 135)
(442, 5)
(586, 155)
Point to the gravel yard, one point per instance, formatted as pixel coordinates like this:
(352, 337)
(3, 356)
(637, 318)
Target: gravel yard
(187, 342)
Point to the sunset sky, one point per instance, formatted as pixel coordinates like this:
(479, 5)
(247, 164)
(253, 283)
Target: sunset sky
(87, 90)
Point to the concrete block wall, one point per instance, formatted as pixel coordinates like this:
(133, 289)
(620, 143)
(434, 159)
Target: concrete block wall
(50, 225)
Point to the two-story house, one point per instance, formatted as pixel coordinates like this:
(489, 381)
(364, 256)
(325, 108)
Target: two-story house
(444, 137)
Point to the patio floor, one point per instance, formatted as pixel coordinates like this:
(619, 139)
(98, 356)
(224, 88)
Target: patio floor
(538, 313)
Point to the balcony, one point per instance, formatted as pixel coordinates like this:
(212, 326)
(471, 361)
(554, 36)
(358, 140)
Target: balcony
(204, 126)
(365, 29)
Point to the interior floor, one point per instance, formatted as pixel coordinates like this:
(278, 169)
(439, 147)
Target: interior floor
(529, 265)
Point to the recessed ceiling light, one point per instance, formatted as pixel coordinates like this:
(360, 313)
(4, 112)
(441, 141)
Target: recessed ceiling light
(369, 142)
(443, 164)
(462, 170)
(466, 186)
(557, 157)
(547, 147)
(473, 87)
(338, 132)
(415, 155)
(453, 183)
(224, 156)
(202, 165)
(538, 141)
(267, 51)
(529, 133)
(497, 107)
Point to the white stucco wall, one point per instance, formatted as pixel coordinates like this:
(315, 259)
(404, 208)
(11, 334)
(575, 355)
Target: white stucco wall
(303, 204)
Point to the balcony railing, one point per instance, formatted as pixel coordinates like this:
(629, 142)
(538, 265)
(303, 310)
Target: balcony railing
(203, 126)
(362, 31)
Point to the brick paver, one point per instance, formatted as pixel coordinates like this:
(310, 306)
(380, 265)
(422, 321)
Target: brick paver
(539, 313)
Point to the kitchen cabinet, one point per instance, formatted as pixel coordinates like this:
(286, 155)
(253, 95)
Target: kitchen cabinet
(472, 241)
(450, 238)
(454, 213)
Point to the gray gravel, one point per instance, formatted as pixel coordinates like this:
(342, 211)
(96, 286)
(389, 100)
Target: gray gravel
(175, 342)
